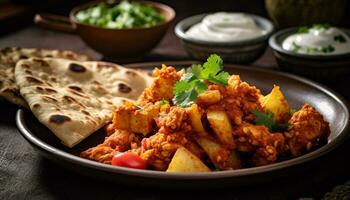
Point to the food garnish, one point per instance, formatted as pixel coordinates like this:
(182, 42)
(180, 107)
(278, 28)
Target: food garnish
(123, 15)
(339, 38)
(318, 39)
(193, 82)
(267, 119)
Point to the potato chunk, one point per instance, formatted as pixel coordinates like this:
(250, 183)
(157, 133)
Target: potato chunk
(135, 119)
(209, 97)
(196, 121)
(216, 153)
(185, 161)
(220, 123)
(276, 103)
(140, 122)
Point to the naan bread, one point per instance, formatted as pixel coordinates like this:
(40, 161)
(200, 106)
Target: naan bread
(74, 99)
(9, 56)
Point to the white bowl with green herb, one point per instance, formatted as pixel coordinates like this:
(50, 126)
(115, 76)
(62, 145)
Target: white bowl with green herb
(317, 51)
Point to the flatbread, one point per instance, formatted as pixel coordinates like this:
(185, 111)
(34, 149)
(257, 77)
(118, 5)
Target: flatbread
(74, 99)
(9, 56)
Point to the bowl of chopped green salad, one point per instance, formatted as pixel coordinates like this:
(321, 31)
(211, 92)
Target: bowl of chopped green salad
(317, 51)
(120, 30)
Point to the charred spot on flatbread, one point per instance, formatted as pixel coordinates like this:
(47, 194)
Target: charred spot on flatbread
(31, 79)
(23, 57)
(49, 99)
(85, 112)
(59, 119)
(106, 65)
(43, 63)
(74, 67)
(28, 72)
(76, 88)
(36, 106)
(124, 88)
(25, 66)
(50, 90)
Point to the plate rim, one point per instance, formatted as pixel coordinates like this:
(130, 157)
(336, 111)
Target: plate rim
(344, 133)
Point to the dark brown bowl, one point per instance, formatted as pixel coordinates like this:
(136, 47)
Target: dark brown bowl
(117, 44)
(297, 90)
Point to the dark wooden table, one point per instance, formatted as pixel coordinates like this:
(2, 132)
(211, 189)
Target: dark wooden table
(24, 174)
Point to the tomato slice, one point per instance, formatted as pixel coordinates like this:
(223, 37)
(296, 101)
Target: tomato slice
(129, 159)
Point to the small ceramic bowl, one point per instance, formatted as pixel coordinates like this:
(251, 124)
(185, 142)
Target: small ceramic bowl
(318, 67)
(121, 45)
(242, 51)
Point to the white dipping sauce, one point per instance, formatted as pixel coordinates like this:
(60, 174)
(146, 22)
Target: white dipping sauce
(225, 27)
(318, 41)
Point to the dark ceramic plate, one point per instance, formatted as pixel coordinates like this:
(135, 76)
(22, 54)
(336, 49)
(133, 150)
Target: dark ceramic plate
(297, 90)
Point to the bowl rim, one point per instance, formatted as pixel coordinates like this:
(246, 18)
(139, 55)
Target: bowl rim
(165, 8)
(67, 157)
(276, 46)
(180, 32)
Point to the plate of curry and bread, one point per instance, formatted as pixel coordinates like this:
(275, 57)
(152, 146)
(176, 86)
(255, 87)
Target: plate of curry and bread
(210, 125)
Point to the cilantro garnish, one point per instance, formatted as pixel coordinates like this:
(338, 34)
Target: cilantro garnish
(296, 47)
(163, 102)
(327, 49)
(266, 119)
(303, 29)
(339, 38)
(193, 83)
(321, 26)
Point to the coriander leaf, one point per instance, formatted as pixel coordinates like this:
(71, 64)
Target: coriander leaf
(164, 102)
(181, 86)
(320, 26)
(296, 47)
(196, 69)
(213, 65)
(185, 98)
(266, 119)
(192, 83)
(339, 38)
(327, 49)
(280, 127)
(221, 78)
(213, 70)
(188, 77)
(186, 92)
(303, 29)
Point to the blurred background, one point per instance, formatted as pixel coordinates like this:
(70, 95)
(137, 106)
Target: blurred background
(15, 14)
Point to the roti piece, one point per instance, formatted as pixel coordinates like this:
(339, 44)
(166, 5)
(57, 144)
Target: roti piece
(74, 99)
(9, 56)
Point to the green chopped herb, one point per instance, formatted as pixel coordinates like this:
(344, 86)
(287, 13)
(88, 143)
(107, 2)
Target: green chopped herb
(321, 26)
(123, 15)
(266, 119)
(193, 83)
(303, 29)
(164, 102)
(295, 47)
(339, 38)
(327, 49)
(292, 111)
